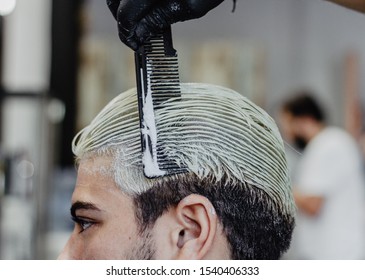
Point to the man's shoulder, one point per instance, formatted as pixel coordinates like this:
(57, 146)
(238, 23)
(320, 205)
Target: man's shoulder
(333, 135)
(333, 142)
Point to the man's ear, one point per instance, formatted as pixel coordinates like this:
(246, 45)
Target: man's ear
(197, 228)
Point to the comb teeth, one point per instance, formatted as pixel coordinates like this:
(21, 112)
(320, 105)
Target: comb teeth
(157, 80)
(162, 71)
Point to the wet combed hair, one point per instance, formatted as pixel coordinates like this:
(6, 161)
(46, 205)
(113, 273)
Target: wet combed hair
(303, 104)
(234, 155)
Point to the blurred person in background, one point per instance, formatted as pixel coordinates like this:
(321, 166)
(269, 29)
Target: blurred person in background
(137, 20)
(329, 186)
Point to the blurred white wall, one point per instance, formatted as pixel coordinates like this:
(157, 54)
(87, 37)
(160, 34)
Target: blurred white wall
(26, 71)
(26, 65)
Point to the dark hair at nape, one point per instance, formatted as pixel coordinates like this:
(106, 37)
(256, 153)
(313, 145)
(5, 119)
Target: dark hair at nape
(303, 104)
(255, 226)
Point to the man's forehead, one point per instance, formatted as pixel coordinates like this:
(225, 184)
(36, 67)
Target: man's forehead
(96, 186)
(94, 179)
(96, 165)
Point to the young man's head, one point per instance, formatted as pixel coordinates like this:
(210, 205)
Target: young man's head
(234, 201)
(301, 118)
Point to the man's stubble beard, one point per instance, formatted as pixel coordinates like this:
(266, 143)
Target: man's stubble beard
(144, 248)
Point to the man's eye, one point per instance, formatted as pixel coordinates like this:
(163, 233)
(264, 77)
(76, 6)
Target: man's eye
(84, 224)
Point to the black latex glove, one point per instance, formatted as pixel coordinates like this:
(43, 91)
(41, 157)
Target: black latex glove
(139, 19)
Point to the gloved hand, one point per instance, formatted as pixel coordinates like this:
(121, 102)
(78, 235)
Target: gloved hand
(140, 19)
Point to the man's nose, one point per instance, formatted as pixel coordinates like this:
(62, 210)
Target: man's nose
(67, 253)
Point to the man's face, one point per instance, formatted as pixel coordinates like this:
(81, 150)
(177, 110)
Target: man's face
(105, 225)
(292, 129)
(286, 125)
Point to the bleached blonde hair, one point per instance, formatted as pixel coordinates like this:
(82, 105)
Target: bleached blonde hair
(215, 132)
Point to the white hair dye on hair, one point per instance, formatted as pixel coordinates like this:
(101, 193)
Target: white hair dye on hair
(214, 131)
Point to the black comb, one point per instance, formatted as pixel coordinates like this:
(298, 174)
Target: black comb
(158, 80)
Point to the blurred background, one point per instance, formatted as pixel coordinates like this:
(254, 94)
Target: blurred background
(61, 62)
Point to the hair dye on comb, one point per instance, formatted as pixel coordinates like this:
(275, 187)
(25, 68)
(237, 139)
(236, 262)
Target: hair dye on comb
(149, 136)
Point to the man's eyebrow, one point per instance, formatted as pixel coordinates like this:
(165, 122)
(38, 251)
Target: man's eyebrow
(80, 205)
